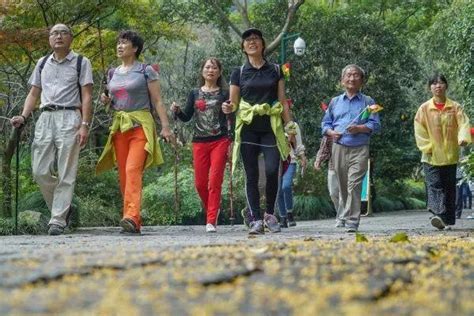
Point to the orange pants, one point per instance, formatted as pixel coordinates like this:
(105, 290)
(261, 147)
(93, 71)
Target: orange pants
(131, 156)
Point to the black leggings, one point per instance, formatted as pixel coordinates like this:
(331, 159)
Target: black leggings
(253, 143)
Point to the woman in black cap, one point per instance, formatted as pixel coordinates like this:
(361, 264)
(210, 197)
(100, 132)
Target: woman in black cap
(257, 91)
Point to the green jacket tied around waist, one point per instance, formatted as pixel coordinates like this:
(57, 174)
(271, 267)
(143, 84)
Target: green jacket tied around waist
(122, 122)
(245, 116)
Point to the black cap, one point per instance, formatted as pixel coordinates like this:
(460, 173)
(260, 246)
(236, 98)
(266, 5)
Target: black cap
(251, 31)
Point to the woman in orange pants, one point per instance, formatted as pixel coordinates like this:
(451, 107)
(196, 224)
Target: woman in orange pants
(210, 140)
(132, 142)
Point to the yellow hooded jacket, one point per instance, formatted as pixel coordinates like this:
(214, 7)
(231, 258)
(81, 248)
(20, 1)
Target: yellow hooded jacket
(438, 133)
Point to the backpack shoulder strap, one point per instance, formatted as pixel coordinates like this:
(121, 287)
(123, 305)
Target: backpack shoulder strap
(241, 70)
(43, 62)
(277, 68)
(110, 73)
(78, 69)
(143, 71)
(79, 66)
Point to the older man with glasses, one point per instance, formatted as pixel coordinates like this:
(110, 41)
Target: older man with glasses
(350, 133)
(63, 81)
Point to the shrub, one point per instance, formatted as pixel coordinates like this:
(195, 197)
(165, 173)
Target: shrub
(94, 212)
(309, 207)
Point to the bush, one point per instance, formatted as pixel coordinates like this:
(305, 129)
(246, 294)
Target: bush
(383, 204)
(94, 212)
(27, 224)
(309, 207)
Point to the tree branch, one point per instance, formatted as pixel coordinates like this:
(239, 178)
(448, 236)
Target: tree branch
(292, 8)
(243, 12)
(223, 15)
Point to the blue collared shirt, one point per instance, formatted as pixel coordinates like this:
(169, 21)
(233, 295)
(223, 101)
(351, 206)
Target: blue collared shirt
(342, 110)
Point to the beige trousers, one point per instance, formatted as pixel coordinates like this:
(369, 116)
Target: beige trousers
(55, 155)
(333, 187)
(350, 165)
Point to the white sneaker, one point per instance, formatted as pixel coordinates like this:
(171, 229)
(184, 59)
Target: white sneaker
(210, 228)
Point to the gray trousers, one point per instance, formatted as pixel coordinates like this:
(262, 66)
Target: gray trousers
(55, 155)
(350, 165)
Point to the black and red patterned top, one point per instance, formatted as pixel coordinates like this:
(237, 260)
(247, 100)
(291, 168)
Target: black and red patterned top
(210, 123)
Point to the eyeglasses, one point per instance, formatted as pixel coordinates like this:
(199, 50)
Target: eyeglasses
(56, 33)
(253, 39)
(353, 75)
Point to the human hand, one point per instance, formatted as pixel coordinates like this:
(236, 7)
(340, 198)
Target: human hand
(83, 135)
(167, 135)
(334, 135)
(175, 108)
(105, 99)
(18, 121)
(316, 166)
(354, 129)
(227, 107)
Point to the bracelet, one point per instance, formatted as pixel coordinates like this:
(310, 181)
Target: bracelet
(24, 117)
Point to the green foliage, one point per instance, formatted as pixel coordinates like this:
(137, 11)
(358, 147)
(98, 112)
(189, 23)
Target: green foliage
(159, 199)
(309, 207)
(96, 212)
(383, 204)
(26, 226)
(452, 34)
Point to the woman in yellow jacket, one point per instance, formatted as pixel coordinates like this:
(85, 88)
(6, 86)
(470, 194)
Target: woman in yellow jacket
(441, 127)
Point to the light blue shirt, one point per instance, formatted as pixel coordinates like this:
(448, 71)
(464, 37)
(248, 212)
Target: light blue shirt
(342, 110)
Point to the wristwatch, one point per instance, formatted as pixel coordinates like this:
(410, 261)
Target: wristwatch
(87, 124)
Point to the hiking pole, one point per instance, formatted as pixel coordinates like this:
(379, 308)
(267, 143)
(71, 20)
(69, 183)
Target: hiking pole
(17, 177)
(101, 47)
(231, 193)
(176, 160)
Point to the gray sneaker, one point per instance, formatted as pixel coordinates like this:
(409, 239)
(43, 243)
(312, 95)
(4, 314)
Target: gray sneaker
(271, 222)
(55, 230)
(351, 229)
(437, 222)
(247, 217)
(129, 226)
(340, 223)
(256, 228)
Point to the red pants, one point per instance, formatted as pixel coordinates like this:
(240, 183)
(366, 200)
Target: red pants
(131, 156)
(209, 160)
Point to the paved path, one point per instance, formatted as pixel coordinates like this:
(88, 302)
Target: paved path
(307, 269)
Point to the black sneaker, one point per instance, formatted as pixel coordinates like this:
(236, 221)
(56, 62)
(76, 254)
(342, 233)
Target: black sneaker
(128, 226)
(55, 230)
(283, 222)
(291, 219)
(256, 228)
(437, 222)
(247, 217)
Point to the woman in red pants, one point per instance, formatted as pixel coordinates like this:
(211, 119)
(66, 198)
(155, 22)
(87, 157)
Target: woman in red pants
(210, 137)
